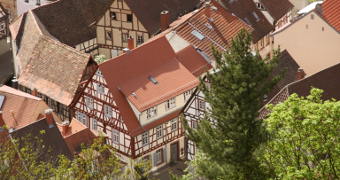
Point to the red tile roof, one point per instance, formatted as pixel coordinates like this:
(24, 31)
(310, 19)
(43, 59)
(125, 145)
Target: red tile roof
(277, 8)
(156, 58)
(18, 108)
(331, 9)
(54, 69)
(77, 134)
(244, 9)
(224, 24)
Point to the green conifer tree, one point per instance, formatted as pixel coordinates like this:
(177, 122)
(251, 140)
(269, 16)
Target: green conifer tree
(237, 87)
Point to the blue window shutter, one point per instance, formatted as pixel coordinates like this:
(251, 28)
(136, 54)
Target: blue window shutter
(155, 159)
(164, 154)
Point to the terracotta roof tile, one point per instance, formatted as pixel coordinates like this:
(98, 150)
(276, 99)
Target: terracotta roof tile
(156, 58)
(76, 135)
(52, 140)
(69, 20)
(172, 77)
(148, 11)
(277, 8)
(244, 9)
(224, 24)
(15, 25)
(55, 70)
(330, 9)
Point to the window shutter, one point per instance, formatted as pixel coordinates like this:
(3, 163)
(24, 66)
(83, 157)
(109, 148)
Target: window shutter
(155, 159)
(164, 154)
(150, 159)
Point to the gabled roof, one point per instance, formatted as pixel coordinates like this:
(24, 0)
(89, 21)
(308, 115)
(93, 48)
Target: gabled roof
(244, 9)
(54, 69)
(327, 80)
(277, 8)
(76, 135)
(224, 27)
(69, 20)
(18, 108)
(148, 11)
(330, 9)
(52, 140)
(129, 73)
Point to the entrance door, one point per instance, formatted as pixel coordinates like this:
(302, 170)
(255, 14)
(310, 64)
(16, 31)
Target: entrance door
(174, 151)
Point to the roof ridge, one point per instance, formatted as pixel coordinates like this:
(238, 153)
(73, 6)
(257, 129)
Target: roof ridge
(24, 96)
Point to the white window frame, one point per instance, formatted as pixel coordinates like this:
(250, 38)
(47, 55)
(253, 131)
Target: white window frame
(81, 117)
(100, 88)
(159, 156)
(89, 102)
(187, 95)
(259, 6)
(174, 124)
(171, 103)
(99, 73)
(115, 136)
(159, 131)
(107, 111)
(140, 39)
(145, 138)
(94, 124)
(194, 124)
(199, 104)
(50, 102)
(151, 112)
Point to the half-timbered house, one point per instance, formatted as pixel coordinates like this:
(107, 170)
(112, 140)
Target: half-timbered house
(196, 107)
(139, 19)
(3, 23)
(135, 99)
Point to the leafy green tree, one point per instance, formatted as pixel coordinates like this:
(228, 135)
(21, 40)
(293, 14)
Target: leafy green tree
(304, 138)
(237, 87)
(100, 58)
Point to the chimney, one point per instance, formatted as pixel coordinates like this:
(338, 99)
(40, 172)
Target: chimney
(131, 43)
(65, 126)
(49, 117)
(300, 74)
(207, 10)
(34, 92)
(15, 83)
(165, 20)
(318, 8)
(2, 122)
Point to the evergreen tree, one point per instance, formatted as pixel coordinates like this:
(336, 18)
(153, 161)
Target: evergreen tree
(237, 87)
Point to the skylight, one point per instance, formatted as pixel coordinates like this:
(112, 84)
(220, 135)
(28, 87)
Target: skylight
(2, 99)
(255, 15)
(247, 21)
(198, 35)
(209, 26)
(153, 80)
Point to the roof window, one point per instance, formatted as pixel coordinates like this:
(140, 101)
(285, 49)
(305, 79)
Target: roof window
(198, 35)
(255, 15)
(209, 26)
(153, 80)
(247, 21)
(2, 99)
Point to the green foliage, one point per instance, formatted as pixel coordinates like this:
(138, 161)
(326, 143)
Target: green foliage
(100, 58)
(304, 138)
(19, 159)
(238, 84)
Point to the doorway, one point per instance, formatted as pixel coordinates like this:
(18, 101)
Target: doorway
(174, 151)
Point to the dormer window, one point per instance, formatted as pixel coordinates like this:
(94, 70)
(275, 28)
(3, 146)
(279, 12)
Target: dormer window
(151, 112)
(169, 104)
(259, 6)
(113, 16)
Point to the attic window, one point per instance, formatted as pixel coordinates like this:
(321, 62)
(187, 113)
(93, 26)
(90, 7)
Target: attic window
(247, 21)
(113, 15)
(108, 35)
(255, 15)
(259, 6)
(209, 26)
(153, 80)
(198, 35)
(129, 17)
(2, 99)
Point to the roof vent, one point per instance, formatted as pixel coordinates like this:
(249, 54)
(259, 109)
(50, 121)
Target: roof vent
(134, 94)
(233, 14)
(209, 26)
(198, 35)
(11, 129)
(153, 80)
(127, 50)
(318, 8)
(214, 8)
